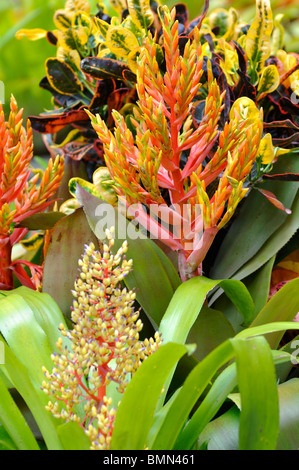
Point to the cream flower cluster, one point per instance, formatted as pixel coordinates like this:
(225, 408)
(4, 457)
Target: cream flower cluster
(103, 345)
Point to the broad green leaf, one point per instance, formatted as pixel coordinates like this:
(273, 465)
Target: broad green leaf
(259, 418)
(188, 300)
(283, 306)
(6, 443)
(255, 224)
(14, 422)
(41, 221)
(198, 380)
(288, 438)
(269, 79)
(152, 272)
(184, 310)
(22, 332)
(218, 393)
(258, 285)
(270, 248)
(222, 433)
(73, 437)
(221, 388)
(67, 245)
(35, 399)
(190, 392)
(210, 329)
(46, 311)
(136, 410)
(62, 77)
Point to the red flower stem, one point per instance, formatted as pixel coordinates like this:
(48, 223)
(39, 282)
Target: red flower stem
(6, 274)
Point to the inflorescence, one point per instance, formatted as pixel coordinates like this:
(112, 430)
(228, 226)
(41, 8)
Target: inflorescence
(102, 347)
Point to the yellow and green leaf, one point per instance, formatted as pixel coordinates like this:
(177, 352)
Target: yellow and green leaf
(226, 21)
(141, 12)
(258, 39)
(89, 187)
(105, 185)
(70, 56)
(278, 34)
(63, 19)
(75, 5)
(34, 242)
(269, 80)
(100, 29)
(62, 77)
(121, 41)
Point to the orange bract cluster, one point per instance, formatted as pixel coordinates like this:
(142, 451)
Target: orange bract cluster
(21, 194)
(149, 161)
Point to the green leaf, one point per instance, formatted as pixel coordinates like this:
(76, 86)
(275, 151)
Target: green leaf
(219, 391)
(62, 77)
(73, 437)
(210, 329)
(67, 245)
(255, 224)
(222, 433)
(6, 443)
(283, 306)
(41, 221)
(46, 311)
(288, 415)
(274, 243)
(258, 285)
(188, 300)
(194, 385)
(197, 381)
(14, 422)
(35, 399)
(22, 332)
(259, 419)
(130, 428)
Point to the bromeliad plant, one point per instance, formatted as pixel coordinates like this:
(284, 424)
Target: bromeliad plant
(166, 163)
(21, 193)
